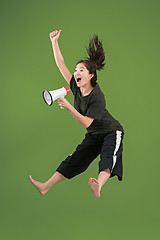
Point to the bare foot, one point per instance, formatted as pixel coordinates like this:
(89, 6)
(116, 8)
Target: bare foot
(95, 187)
(40, 186)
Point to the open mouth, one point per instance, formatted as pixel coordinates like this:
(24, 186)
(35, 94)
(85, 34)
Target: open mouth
(78, 79)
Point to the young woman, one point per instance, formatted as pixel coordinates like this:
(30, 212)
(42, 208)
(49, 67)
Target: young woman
(104, 133)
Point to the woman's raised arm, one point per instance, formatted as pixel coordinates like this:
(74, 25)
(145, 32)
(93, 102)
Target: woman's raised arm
(58, 56)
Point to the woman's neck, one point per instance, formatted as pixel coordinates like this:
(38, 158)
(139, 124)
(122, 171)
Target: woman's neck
(86, 90)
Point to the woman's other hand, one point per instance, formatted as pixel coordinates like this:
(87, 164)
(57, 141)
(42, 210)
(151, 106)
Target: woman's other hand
(55, 35)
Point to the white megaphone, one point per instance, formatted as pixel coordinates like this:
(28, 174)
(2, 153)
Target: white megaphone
(50, 96)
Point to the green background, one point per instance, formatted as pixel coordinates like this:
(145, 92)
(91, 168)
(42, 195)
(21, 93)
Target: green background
(35, 138)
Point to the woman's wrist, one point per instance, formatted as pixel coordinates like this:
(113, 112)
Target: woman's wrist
(54, 42)
(69, 107)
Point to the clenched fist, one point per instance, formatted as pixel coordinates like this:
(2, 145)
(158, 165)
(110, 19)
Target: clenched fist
(64, 103)
(54, 35)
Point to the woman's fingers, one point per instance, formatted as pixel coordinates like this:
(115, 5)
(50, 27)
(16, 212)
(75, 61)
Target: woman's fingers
(59, 33)
(55, 35)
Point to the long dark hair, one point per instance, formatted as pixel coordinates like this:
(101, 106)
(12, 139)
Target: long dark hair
(96, 58)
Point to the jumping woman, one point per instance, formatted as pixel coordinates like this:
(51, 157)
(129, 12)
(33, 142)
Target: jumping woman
(104, 134)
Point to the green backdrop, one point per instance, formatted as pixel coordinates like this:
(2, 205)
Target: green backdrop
(35, 138)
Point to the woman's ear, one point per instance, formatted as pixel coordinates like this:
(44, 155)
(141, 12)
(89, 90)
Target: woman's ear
(91, 75)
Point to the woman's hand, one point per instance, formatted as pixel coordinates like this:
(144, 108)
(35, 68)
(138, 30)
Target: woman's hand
(64, 103)
(54, 35)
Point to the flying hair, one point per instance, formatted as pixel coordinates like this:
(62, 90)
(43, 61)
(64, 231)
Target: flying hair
(96, 53)
(95, 59)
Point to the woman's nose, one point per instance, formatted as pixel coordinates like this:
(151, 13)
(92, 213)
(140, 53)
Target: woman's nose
(78, 72)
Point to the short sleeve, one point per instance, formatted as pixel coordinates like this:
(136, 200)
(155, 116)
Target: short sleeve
(96, 107)
(73, 85)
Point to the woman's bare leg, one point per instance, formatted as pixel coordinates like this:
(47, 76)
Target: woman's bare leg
(44, 187)
(96, 185)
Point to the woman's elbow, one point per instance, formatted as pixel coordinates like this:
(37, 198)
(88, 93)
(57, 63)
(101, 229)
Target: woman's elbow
(88, 121)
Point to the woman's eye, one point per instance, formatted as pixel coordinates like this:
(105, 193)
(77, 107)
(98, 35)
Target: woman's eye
(80, 70)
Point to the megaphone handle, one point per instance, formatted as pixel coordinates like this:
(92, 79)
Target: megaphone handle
(62, 107)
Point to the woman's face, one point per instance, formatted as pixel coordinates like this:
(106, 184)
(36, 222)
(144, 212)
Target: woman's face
(82, 75)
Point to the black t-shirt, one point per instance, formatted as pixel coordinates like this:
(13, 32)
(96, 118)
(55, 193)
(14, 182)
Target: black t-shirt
(93, 105)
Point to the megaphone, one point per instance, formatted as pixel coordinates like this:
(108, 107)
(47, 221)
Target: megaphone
(50, 96)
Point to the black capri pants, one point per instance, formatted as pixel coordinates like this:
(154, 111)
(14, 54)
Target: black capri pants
(110, 148)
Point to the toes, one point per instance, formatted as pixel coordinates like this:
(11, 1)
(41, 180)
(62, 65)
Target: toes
(95, 180)
(90, 180)
(30, 176)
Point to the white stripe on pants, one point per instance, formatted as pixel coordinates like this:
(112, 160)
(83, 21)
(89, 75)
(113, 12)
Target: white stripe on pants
(118, 141)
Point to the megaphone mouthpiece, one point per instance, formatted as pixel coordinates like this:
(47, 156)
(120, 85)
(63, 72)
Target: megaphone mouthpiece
(67, 89)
